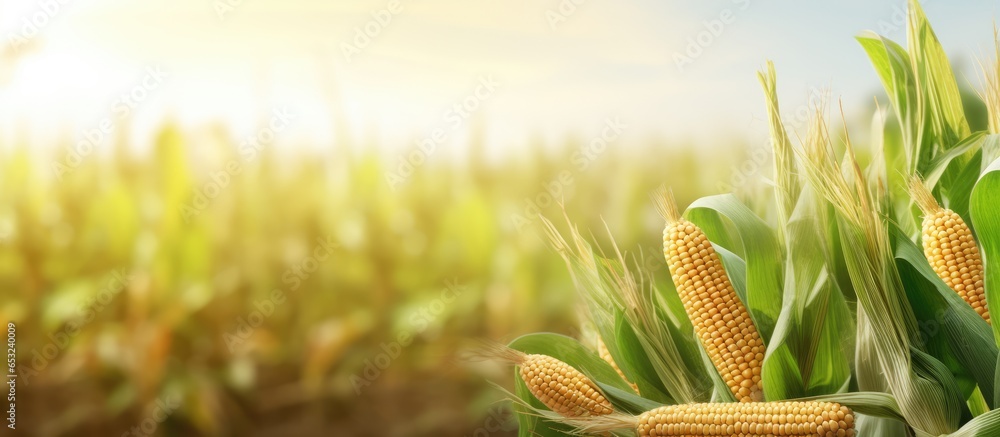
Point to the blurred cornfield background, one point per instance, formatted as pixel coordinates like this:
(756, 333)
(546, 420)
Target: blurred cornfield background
(188, 278)
(145, 274)
(127, 289)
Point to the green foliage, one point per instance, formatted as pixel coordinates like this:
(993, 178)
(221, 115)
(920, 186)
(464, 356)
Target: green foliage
(986, 222)
(835, 279)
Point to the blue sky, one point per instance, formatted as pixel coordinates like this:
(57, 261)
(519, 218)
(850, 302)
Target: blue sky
(603, 59)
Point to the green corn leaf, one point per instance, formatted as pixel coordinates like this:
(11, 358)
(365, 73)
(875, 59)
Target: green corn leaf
(865, 425)
(687, 345)
(978, 404)
(787, 185)
(985, 213)
(630, 355)
(935, 375)
(942, 162)
(832, 352)
(871, 380)
(991, 150)
(945, 319)
(996, 379)
(627, 400)
(936, 81)
(781, 377)
(961, 182)
(822, 321)
(867, 365)
(986, 425)
(892, 64)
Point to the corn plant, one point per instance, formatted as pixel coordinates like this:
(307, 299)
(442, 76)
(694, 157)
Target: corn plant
(852, 298)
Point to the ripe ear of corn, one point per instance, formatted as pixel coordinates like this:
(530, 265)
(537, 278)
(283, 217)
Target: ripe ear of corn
(951, 250)
(752, 419)
(721, 321)
(562, 388)
(559, 386)
(602, 350)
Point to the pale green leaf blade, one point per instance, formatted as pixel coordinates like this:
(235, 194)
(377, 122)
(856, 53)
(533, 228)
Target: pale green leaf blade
(936, 80)
(944, 317)
(984, 210)
(892, 63)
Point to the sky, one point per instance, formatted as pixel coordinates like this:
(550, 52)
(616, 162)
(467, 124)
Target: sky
(392, 72)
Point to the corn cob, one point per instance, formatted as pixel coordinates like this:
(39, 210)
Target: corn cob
(602, 350)
(821, 419)
(720, 319)
(743, 419)
(951, 249)
(556, 384)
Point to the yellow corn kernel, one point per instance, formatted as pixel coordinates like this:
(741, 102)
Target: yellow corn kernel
(951, 250)
(721, 321)
(562, 388)
(749, 419)
(558, 385)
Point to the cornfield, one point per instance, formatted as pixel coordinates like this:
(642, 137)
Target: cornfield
(850, 297)
(123, 298)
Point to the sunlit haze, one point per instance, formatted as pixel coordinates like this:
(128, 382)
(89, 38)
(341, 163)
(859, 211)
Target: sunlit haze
(556, 75)
(499, 218)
